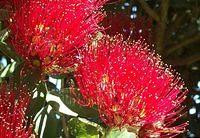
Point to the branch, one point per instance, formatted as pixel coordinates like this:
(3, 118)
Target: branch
(172, 27)
(149, 10)
(161, 26)
(183, 44)
(183, 62)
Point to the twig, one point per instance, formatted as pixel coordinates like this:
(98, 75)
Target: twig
(175, 24)
(161, 26)
(183, 62)
(183, 44)
(149, 10)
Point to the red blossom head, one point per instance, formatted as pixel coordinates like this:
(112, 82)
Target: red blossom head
(13, 104)
(130, 85)
(48, 34)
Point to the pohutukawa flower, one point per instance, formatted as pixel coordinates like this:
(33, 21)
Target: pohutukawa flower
(13, 105)
(48, 34)
(131, 86)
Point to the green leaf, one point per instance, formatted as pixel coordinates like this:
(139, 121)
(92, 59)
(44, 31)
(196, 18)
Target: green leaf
(116, 133)
(56, 102)
(4, 34)
(47, 124)
(53, 126)
(86, 112)
(51, 118)
(39, 99)
(80, 129)
(8, 70)
(7, 51)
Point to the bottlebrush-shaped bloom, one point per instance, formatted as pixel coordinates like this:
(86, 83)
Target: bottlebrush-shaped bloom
(12, 113)
(48, 34)
(131, 86)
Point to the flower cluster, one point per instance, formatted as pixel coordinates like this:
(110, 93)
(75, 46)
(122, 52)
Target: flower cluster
(13, 105)
(130, 85)
(128, 82)
(48, 34)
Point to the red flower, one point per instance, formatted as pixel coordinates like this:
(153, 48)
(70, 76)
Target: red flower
(48, 34)
(130, 85)
(12, 113)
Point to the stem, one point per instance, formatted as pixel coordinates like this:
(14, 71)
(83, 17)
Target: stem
(161, 26)
(64, 126)
(149, 10)
(185, 61)
(184, 43)
(161, 20)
